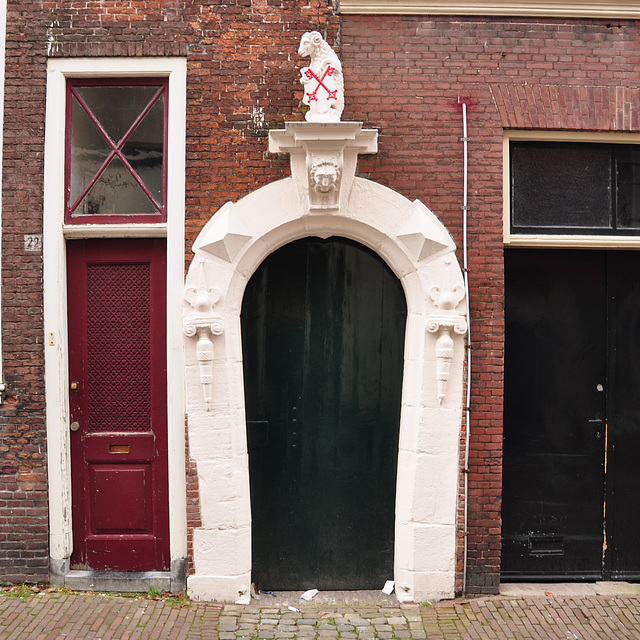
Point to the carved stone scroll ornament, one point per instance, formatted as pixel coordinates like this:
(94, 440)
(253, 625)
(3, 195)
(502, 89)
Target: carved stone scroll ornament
(204, 323)
(444, 320)
(322, 80)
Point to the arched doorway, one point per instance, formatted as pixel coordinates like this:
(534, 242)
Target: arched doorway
(323, 326)
(420, 252)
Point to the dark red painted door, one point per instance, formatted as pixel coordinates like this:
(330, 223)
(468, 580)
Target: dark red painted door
(117, 374)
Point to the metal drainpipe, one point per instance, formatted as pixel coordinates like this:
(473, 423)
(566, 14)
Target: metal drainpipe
(465, 210)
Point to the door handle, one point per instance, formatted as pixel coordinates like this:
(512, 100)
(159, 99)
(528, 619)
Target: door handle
(597, 422)
(74, 426)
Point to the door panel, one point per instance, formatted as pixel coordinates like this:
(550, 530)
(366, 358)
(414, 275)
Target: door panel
(555, 358)
(323, 339)
(623, 477)
(571, 480)
(117, 370)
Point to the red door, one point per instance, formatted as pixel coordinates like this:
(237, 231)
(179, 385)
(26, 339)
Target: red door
(118, 400)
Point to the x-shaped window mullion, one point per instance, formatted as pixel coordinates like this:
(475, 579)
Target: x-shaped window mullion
(116, 149)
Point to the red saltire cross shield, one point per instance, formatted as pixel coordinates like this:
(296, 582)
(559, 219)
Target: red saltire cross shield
(332, 94)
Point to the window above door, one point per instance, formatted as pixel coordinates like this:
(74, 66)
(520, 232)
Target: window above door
(115, 160)
(572, 191)
(570, 187)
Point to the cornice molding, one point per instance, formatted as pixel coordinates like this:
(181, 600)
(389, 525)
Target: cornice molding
(605, 9)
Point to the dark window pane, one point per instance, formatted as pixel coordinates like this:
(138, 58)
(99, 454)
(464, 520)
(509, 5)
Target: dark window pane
(560, 186)
(628, 188)
(116, 108)
(143, 149)
(115, 193)
(89, 150)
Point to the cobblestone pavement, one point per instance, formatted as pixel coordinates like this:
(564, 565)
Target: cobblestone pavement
(62, 616)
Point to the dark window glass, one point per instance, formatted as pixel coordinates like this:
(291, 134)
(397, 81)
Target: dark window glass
(575, 188)
(115, 167)
(628, 188)
(557, 186)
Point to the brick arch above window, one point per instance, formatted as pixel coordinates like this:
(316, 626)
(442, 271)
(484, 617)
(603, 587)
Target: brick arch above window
(568, 107)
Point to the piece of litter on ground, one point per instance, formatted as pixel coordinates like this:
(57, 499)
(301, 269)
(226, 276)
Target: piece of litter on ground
(548, 593)
(307, 595)
(388, 588)
(293, 609)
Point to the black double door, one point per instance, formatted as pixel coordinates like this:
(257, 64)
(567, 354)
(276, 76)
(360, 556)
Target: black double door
(571, 470)
(323, 337)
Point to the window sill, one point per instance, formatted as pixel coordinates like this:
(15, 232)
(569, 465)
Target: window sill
(573, 241)
(115, 230)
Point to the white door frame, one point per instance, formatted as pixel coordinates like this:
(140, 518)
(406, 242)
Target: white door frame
(55, 234)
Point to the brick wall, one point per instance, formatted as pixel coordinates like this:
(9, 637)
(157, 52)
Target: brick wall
(242, 77)
(241, 81)
(407, 76)
(23, 478)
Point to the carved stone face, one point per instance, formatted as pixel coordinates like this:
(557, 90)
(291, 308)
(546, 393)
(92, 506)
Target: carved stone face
(325, 178)
(308, 43)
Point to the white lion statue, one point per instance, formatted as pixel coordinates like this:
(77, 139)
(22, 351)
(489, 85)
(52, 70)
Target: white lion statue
(322, 79)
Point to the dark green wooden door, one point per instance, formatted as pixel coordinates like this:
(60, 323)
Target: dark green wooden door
(323, 338)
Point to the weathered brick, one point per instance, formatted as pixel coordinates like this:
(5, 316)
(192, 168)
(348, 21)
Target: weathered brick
(405, 75)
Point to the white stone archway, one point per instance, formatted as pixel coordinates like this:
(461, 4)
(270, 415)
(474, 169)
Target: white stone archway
(420, 251)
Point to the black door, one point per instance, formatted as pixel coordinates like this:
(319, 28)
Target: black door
(571, 487)
(623, 468)
(323, 337)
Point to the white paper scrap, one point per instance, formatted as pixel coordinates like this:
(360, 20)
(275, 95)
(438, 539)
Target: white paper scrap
(293, 609)
(307, 595)
(388, 588)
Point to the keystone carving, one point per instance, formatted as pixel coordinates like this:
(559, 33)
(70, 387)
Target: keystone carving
(323, 159)
(324, 180)
(202, 322)
(445, 320)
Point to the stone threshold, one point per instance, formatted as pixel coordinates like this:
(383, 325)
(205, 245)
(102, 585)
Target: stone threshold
(292, 598)
(118, 581)
(570, 589)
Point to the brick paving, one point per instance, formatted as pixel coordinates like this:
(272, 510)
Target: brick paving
(83, 616)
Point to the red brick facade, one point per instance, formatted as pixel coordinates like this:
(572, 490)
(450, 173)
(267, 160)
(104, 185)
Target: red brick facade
(406, 76)
(23, 447)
